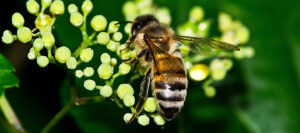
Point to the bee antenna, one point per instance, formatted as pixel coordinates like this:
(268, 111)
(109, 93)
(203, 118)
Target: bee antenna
(121, 22)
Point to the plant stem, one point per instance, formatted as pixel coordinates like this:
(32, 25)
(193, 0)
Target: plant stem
(82, 46)
(9, 114)
(58, 116)
(62, 112)
(245, 120)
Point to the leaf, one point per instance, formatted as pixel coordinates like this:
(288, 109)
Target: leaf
(5, 64)
(7, 78)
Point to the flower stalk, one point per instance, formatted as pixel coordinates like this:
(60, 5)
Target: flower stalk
(9, 114)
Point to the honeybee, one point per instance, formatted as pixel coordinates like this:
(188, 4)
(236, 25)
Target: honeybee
(156, 46)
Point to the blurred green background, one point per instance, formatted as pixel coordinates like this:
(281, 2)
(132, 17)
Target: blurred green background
(260, 94)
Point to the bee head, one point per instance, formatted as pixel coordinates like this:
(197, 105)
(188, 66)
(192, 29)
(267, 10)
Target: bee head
(140, 22)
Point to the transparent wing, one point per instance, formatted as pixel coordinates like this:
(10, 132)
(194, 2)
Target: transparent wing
(204, 45)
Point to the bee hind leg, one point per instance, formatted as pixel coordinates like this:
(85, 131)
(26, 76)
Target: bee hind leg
(145, 85)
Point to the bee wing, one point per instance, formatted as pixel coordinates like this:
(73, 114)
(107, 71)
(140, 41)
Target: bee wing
(204, 45)
(163, 61)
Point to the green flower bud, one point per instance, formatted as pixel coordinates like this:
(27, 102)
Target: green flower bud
(31, 55)
(143, 3)
(196, 14)
(112, 45)
(57, 8)
(42, 61)
(225, 22)
(32, 6)
(163, 16)
(127, 117)
(105, 71)
(106, 91)
(113, 27)
(87, 7)
(124, 69)
(71, 63)
(218, 74)
(187, 29)
(113, 62)
(124, 89)
(210, 91)
(132, 54)
(239, 54)
(199, 72)
(62, 54)
(128, 100)
(42, 20)
(249, 52)
(72, 8)
(203, 28)
(48, 40)
(78, 73)
(188, 65)
(7, 37)
(88, 71)
(46, 3)
(129, 9)
(89, 84)
(117, 36)
(105, 58)
(229, 37)
(86, 55)
(76, 19)
(38, 44)
(227, 63)
(216, 64)
(24, 34)
(128, 28)
(159, 120)
(120, 48)
(242, 33)
(125, 56)
(45, 29)
(17, 20)
(99, 23)
(150, 104)
(103, 38)
(143, 120)
(184, 50)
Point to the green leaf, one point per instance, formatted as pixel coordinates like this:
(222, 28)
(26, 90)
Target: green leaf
(7, 78)
(5, 64)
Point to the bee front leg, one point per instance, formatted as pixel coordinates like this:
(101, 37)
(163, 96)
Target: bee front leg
(145, 85)
(127, 45)
(132, 61)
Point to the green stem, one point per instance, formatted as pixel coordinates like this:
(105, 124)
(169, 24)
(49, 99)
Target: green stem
(9, 114)
(62, 112)
(58, 116)
(84, 100)
(245, 120)
(82, 46)
(113, 79)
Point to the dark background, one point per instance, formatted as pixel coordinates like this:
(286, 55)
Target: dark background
(259, 94)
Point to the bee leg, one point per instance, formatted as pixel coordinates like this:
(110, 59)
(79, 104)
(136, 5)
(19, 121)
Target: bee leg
(142, 96)
(127, 45)
(132, 61)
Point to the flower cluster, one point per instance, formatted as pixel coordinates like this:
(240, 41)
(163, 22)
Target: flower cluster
(219, 62)
(132, 9)
(45, 49)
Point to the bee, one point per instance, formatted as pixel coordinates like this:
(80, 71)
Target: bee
(156, 46)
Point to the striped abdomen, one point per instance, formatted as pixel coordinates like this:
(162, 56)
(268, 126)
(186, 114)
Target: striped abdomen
(170, 83)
